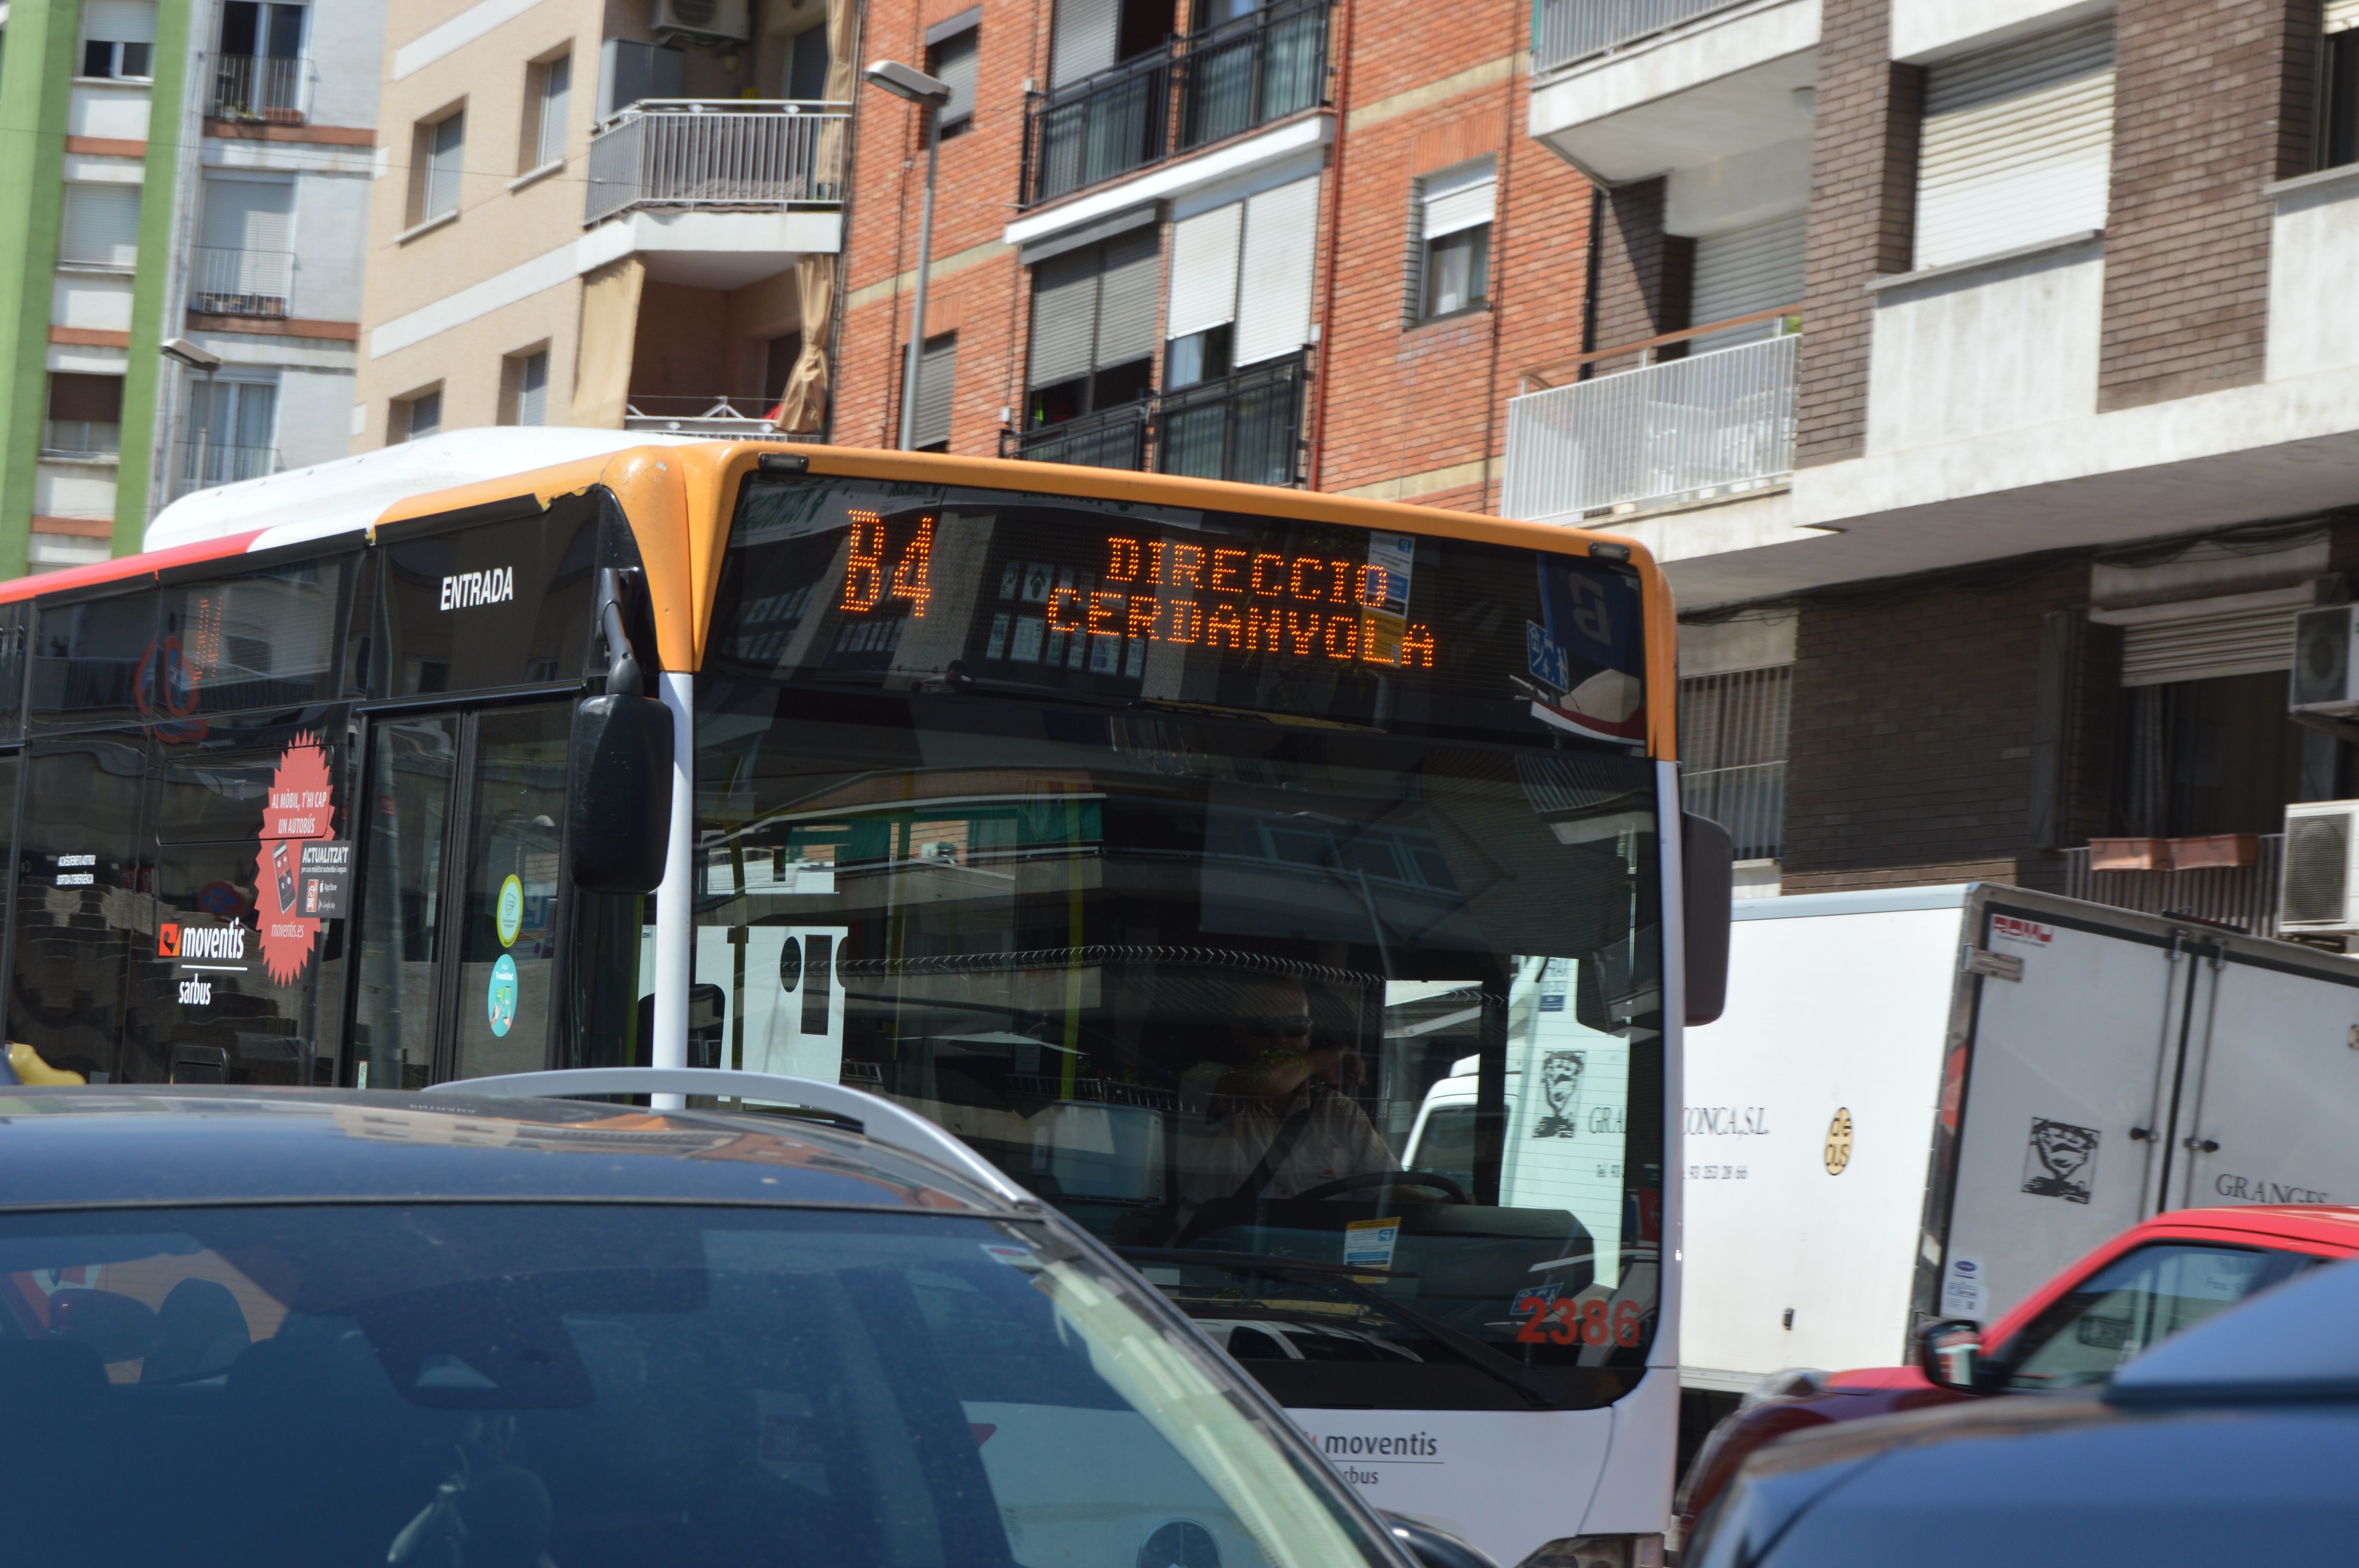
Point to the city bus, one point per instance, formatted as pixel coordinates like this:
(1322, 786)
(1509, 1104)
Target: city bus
(1168, 840)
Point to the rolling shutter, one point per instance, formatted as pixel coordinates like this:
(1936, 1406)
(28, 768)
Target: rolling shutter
(937, 371)
(1759, 267)
(249, 214)
(1273, 280)
(954, 61)
(1064, 316)
(1084, 40)
(119, 21)
(2017, 146)
(1129, 294)
(1461, 199)
(1204, 270)
(102, 225)
(2201, 639)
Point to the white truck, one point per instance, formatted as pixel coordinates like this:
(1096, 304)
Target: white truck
(1924, 1102)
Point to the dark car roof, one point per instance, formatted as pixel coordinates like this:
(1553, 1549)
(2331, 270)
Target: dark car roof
(64, 1148)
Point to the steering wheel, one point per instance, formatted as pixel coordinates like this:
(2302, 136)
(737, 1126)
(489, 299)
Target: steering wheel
(1433, 1179)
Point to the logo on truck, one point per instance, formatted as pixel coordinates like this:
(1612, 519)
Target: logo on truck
(2061, 1162)
(1838, 1150)
(1560, 1081)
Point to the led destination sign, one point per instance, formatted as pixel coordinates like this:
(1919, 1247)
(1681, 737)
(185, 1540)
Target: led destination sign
(845, 582)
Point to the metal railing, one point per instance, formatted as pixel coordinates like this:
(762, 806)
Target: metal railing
(740, 418)
(746, 154)
(252, 87)
(1246, 427)
(1195, 91)
(1710, 425)
(225, 282)
(2245, 896)
(1564, 31)
(1733, 730)
(200, 464)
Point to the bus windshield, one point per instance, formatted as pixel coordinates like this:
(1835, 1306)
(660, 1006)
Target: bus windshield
(1279, 898)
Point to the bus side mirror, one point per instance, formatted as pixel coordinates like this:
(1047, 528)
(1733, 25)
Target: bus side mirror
(619, 793)
(1708, 870)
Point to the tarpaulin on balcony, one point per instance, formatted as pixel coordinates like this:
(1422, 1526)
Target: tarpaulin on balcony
(803, 409)
(610, 325)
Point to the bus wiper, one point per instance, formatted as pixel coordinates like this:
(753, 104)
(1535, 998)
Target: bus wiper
(1536, 1387)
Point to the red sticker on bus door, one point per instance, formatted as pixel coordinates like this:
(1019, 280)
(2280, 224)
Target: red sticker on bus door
(301, 808)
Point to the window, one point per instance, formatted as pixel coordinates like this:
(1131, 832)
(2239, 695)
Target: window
(629, 71)
(230, 432)
(416, 417)
(258, 74)
(2338, 138)
(951, 50)
(548, 92)
(1743, 272)
(1454, 211)
(937, 370)
(439, 150)
(1733, 730)
(85, 414)
(1201, 321)
(245, 264)
(2139, 1299)
(101, 226)
(118, 38)
(806, 62)
(2017, 146)
(1240, 284)
(524, 388)
(1094, 327)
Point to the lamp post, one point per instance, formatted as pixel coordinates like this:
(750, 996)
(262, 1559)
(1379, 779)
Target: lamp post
(204, 360)
(929, 93)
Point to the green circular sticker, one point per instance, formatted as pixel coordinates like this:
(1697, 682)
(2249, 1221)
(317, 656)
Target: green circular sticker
(511, 911)
(500, 997)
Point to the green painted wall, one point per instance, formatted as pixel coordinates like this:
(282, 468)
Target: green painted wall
(35, 73)
(151, 316)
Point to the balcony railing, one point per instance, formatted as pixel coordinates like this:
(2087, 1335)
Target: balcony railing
(224, 282)
(2243, 896)
(251, 87)
(1246, 427)
(200, 464)
(743, 154)
(1196, 90)
(1715, 424)
(738, 418)
(1564, 31)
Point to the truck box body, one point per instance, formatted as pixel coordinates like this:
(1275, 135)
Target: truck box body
(1924, 1102)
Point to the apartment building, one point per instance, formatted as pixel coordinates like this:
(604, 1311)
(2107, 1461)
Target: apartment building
(1302, 242)
(187, 171)
(613, 215)
(1989, 376)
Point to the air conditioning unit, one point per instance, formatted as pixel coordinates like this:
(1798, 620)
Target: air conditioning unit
(727, 19)
(2325, 683)
(2320, 890)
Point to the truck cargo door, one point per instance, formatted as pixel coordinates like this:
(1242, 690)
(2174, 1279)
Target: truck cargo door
(2074, 1036)
(2271, 1089)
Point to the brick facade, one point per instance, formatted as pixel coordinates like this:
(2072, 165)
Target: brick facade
(2212, 100)
(1644, 274)
(1400, 408)
(1862, 218)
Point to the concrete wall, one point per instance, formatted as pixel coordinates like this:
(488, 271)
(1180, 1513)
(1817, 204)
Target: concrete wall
(1926, 30)
(346, 53)
(2314, 278)
(331, 231)
(1996, 348)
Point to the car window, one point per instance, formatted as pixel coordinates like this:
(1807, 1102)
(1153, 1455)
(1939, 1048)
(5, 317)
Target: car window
(2143, 1296)
(583, 1385)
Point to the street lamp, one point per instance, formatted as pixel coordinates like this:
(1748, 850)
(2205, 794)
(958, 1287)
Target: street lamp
(207, 361)
(929, 93)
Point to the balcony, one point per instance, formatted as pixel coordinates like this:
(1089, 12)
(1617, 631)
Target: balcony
(727, 154)
(1200, 90)
(225, 282)
(260, 90)
(202, 464)
(1564, 31)
(1246, 427)
(2242, 896)
(1715, 425)
(726, 418)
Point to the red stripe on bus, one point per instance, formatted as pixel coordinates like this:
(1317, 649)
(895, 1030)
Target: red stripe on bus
(125, 567)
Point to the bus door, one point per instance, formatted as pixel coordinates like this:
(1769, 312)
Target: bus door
(459, 899)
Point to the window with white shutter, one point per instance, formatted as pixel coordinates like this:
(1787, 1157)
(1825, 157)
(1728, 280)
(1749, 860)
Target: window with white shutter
(101, 225)
(937, 373)
(244, 264)
(118, 38)
(1205, 255)
(2016, 146)
(1454, 259)
(438, 155)
(1273, 274)
(1743, 272)
(548, 100)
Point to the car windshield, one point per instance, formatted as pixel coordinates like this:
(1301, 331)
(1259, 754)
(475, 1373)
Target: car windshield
(571, 1386)
(2135, 1301)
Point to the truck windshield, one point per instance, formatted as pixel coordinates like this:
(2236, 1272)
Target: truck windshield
(1315, 969)
(594, 1384)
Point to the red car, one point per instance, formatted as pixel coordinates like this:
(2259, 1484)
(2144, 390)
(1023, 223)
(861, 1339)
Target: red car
(2154, 1279)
